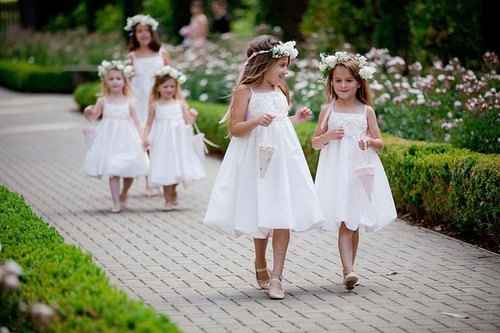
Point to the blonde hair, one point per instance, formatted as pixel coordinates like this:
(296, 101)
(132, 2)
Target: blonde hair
(257, 65)
(105, 91)
(159, 80)
(363, 93)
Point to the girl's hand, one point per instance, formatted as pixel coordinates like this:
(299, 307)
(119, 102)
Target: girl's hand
(88, 112)
(265, 120)
(303, 114)
(318, 142)
(146, 144)
(364, 142)
(335, 134)
(192, 114)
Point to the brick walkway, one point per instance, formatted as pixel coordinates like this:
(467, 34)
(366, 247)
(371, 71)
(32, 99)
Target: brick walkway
(204, 280)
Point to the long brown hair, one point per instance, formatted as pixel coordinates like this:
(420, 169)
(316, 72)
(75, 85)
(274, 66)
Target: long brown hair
(154, 44)
(363, 94)
(159, 80)
(257, 65)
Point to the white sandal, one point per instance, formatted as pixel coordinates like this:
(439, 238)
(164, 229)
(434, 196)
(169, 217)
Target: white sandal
(276, 290)
(351, 280)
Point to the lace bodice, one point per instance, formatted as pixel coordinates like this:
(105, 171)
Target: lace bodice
(116, 111)
(272, 102)
(170, 111)
(353, 123)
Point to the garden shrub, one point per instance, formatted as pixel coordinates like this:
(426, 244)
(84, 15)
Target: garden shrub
(65, 278)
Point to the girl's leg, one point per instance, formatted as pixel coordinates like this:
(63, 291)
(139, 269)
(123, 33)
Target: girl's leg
(166, 194)
(127, 183)
(281, 238)
(346, 242)
(174, 194)
(114, 186)
(261, 270)
(355, 243)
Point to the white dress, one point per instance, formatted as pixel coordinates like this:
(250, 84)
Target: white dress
(172, 154)
(142, 82)
(243, 201)
(117, 149)
(351, 183)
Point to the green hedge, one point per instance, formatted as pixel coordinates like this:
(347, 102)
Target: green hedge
(62, 276)
(436, 184)
(26, 77)
(35, 78)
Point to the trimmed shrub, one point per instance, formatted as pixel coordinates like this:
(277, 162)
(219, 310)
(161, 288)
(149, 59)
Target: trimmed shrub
(86, 94)
(65, 278)
(35, 78)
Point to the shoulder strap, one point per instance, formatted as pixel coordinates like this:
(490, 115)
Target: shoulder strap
(329, 110)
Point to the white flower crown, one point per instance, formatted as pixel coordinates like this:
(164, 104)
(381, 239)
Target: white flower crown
(122, 66)
(328, 62)
(281, 50)
(172, 72)
(142, 19)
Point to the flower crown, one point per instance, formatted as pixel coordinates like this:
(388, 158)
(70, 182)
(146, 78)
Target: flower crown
(122, 66)
(281, 50)
(172, 72)
(328, 62)
(142, 19)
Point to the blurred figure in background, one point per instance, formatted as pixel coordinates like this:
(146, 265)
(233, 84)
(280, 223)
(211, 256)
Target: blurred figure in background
(221, 23)
(195, 34)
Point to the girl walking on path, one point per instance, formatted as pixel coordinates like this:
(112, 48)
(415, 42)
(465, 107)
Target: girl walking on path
(169, 135)
(264, 187)
(351, 183)
(116, 151)
(147, 57)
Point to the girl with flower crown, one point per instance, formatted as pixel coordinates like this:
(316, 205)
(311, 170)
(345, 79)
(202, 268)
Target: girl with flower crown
(350, 180)
(147, 57)
(264, 187)
(117, 150)
(169, 134)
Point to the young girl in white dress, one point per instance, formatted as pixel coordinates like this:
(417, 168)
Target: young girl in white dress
(264, 184)
(350, 179)
(117, 150)
(147, 57)
(169, 134)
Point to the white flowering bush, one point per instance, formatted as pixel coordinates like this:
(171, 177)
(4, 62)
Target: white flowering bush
(444, 102)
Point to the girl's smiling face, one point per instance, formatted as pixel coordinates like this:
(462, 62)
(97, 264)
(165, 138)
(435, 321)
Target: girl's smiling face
(115, 81)
(167, 89)
(277, 72)
(143, 34)
(344, 83)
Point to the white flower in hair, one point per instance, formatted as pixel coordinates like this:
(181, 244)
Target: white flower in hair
(122, 66)
(328, 62)
(142, 19)
(285, 50)
(172, 72)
